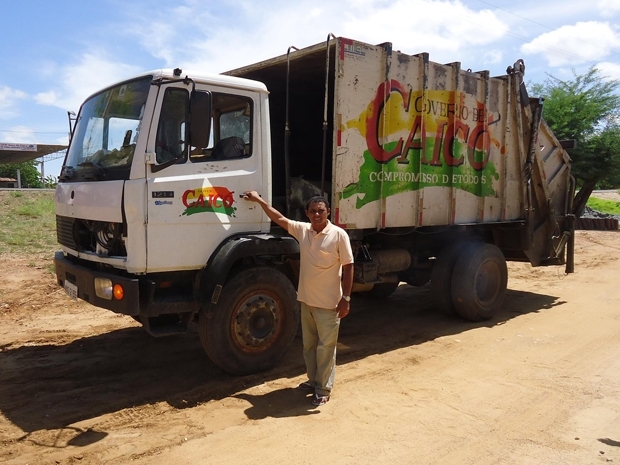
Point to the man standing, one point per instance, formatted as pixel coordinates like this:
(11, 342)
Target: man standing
(325, 281)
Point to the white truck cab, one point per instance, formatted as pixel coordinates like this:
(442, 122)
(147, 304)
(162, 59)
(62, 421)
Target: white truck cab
(128, 166)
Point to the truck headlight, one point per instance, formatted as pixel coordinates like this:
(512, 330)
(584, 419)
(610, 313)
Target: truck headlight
(103, 288)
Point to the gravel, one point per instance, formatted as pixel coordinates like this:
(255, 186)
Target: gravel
(589, 213)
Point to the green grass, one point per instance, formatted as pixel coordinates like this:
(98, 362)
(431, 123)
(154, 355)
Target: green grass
(27, 223)
(604, 206)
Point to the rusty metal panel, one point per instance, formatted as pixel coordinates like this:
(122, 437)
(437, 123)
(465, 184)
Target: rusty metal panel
(421, 143)
(556, 168)
(511, 144)
(360, 73)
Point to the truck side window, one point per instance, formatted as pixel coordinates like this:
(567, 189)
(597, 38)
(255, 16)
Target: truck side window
(231, 129)
(171, 132)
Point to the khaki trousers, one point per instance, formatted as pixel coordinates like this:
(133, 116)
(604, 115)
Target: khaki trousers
(319, 329)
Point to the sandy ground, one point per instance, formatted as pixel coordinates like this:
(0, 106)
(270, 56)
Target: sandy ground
(538, 384)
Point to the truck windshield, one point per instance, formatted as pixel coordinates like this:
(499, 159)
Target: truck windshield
(106, 131)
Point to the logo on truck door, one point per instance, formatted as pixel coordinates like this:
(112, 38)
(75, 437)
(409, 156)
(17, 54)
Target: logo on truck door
(418, 139)
(209, 200)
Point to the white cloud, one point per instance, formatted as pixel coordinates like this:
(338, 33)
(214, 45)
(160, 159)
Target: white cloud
(8, 101)
(18, 135)
(169, 34)
(239, 33)
(583, 42)
(315, 12)
(547, 13)
(493, 57)
(159, 39)
(610, 70)
(423, 25)
(201, 37)
(608, 8)
(46, 98)
(92, 72)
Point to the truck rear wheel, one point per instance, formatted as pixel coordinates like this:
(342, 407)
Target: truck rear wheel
(254, 322)
(441, 276)
(479, 281)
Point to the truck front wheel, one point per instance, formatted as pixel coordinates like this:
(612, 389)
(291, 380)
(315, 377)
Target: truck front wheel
(479, 281)
(254, 322)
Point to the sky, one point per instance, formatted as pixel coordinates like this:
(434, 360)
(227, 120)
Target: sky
(56, 53)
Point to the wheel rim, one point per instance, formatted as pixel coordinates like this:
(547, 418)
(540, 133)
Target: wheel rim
(488, 283)
(257, 322)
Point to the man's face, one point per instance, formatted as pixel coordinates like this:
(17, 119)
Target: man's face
(317, 213)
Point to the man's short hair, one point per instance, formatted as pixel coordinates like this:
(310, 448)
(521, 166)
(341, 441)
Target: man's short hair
(317, 199)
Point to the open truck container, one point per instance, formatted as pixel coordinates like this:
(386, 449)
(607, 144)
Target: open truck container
(437, 174)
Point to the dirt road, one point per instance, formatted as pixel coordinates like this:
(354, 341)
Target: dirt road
(539, 384)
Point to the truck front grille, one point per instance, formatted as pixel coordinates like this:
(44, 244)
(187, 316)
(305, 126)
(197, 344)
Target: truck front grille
(98, 237)
(64, 231)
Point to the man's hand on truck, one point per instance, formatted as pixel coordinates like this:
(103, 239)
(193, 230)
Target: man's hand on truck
(273, 214)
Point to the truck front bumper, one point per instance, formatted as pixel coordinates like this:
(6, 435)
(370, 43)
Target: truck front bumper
(81, 284)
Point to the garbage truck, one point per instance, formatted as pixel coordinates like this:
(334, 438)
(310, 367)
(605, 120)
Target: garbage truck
(438, 174)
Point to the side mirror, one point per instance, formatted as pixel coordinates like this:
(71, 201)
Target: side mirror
(200, 119)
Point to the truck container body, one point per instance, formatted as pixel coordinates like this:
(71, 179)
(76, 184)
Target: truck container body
(437, 174)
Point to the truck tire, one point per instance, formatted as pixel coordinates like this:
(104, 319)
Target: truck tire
(253, 323)
(479, 281)
(381, 290)
(441, 276)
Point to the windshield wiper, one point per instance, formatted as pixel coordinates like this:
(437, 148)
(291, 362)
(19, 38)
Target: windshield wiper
(67, 173)
(98, 170)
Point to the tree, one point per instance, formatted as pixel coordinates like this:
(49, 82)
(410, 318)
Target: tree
(50, 182)
(587, 109)
(30, 176)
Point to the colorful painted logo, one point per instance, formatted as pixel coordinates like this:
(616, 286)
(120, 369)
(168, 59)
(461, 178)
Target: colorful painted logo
(209, 199)
(440, 141)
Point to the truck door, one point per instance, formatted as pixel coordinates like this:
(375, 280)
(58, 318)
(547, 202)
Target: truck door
(194, 204)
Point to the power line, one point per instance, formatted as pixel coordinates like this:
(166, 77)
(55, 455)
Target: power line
(518, 16)
(33, 132)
